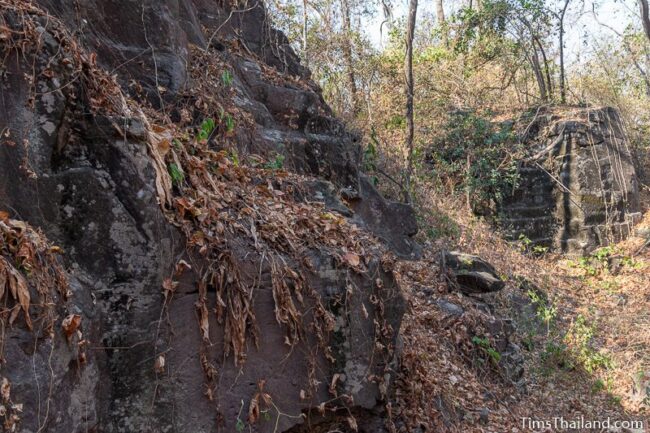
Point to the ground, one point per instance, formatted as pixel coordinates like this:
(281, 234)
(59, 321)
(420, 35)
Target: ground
(582, 327)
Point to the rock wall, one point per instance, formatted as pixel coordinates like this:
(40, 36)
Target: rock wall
(578, 188)
(78, 160)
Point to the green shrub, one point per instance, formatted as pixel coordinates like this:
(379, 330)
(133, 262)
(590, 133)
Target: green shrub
(477, 156)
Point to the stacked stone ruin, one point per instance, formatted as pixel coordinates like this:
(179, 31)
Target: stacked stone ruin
(578, 189)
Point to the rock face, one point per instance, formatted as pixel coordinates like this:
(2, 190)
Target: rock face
(89, 178)
(579, 188)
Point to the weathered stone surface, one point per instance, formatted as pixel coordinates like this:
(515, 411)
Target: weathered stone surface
(146, 43)
(88, 182)
(473, 274)
(579, 188)
(450, 308)
(95, 198)
(285, 370)
(392, 222)
(324, 192)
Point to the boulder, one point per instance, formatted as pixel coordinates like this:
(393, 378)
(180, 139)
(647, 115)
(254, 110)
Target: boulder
(473, 274)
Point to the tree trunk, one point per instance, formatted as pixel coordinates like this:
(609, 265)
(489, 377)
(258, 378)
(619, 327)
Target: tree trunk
(408, 66)
(347, 55)
(304, 33)
(562, 79)
(645, 17)
(547, 72)
(442, 23)
(533, 58)
(537, 70)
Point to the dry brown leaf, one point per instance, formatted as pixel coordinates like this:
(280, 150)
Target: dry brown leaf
(254, 409)
(70, 325)
(352, 422)
(3, 277)
(204, 323)
(181, 267)
(56, 249)
(4, 216)
(352, 259)
(20, 292)
(159, 365)
(163, 179)
(332, 388)
(169, 287)
(5, 389)
(364, 311)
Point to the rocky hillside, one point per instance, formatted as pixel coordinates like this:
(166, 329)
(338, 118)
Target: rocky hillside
(188, 244)
(176, 254)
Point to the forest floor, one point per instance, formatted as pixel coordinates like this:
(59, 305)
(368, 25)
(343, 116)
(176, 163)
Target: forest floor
(582, 327)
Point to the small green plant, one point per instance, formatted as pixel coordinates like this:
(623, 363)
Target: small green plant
(226, 78)
(580, 336)
(207, 126)
(276, 163)
(229, 121)
(529, 341)
(234, 156)
(175, 173)
(526, 246)
(467, 262)
(629, 262)
(484, 344)
(557, 354)
(597, 262)
(610, 286)
(586, 265)
(540, 250)
(524, 243)
(598, 386)
(602, 254)
(545, 310)
(436, 225)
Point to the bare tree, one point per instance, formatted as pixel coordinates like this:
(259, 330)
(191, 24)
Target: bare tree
(645, 17)
(408, 66)
(532, 56)
(442, 23)
(549, 81)
(305, 55)
(347, 55)
(631, 52)
(561, 25)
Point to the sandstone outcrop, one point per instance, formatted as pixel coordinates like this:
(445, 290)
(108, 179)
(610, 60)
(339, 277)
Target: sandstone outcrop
(87, 120)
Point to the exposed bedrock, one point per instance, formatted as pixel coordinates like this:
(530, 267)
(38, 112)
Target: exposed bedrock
(89, 182)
